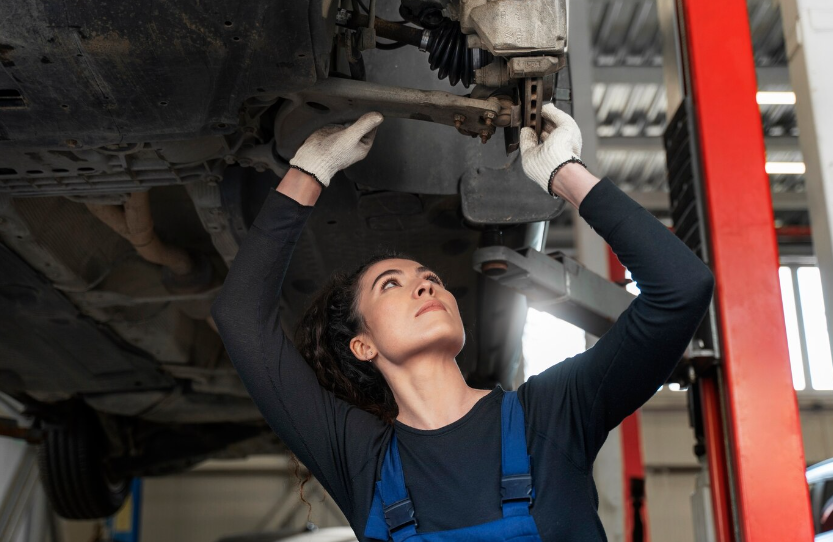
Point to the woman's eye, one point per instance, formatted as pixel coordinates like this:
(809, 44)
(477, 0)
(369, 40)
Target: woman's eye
(431, 277)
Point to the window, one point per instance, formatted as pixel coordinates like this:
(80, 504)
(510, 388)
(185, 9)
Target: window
(631, 287)
(806, 322)
(548, 340)
(791, 321)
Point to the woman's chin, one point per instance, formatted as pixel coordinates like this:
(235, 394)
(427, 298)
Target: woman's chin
(444, 341)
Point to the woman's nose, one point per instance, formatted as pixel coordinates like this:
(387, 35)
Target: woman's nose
(426, 286)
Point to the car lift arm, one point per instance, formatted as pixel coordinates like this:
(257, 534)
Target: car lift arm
(558, 285)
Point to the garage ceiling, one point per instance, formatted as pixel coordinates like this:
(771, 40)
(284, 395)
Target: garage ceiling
(629, 96)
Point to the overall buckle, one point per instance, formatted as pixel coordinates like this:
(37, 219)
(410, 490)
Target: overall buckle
(399, 514)
(516, 487)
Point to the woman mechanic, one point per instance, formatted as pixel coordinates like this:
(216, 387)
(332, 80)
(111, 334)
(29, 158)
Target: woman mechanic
(370, 398)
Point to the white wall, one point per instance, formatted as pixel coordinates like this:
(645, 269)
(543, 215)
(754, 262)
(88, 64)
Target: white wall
(671, 465)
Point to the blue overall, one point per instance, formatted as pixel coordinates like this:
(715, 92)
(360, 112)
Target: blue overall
(392, 512)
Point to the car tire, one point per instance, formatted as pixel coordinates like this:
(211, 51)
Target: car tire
(73, 473)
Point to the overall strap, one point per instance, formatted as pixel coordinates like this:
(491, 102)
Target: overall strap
(396, 502)
(516, 483)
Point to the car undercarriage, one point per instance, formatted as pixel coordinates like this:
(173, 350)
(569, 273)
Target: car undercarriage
(137, 144)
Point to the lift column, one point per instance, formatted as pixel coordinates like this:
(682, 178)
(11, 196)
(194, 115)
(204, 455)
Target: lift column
(753, 384)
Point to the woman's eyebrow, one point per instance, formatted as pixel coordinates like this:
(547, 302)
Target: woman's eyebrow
(385, 273)
(419, 270)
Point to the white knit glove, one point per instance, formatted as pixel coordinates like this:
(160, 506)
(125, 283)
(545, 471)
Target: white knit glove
(335, 147)
(560, 145)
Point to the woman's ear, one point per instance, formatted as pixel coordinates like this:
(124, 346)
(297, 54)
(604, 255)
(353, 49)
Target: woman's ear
(361, 349)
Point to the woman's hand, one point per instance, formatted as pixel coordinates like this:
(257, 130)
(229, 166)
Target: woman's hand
(560, 145)
(335, 147)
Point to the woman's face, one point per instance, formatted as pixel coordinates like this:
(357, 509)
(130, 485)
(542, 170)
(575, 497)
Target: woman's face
(392, 298)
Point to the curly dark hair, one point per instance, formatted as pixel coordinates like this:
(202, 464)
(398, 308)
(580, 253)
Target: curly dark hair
(323, 336)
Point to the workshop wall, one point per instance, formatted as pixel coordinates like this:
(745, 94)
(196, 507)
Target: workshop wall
(671, 466)
(222, 498)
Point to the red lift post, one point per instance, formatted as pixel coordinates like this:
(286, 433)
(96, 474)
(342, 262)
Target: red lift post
(765, 456)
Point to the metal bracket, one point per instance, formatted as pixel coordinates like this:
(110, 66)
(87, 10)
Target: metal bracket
(558, 285)
(367, 36)
(535, 66)
(336, 100)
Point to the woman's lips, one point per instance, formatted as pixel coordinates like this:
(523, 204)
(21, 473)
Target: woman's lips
(431, 306)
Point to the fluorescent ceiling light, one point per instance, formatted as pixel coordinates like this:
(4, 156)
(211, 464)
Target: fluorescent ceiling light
(776, 98)
(785, 168)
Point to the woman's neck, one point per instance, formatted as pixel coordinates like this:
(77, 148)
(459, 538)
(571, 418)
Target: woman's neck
(431, 393)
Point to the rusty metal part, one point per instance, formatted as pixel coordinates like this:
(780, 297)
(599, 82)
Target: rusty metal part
(447, 48)
(509, 114)
(134, 222)
(509, 27)
(535, 66)
(495, 74)
(384, 29)
(336, 100)
(367, 36)
(533, 103)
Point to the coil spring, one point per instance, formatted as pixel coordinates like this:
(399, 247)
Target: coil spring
(447, 52)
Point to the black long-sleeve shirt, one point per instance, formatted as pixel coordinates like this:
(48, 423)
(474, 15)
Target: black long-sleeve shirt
(453, 473)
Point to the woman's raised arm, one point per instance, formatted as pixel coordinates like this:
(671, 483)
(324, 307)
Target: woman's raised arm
(332, 438)
(582, 398)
